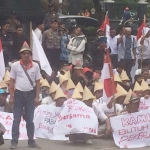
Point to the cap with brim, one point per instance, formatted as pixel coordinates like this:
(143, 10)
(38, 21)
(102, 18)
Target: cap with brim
(76, 94)
(70, 85)
(3, 84)
(59, 94)
(120, 91)
(128, 97)
(79, 87)
(53, 87)
(25, 47)
(144, 86)
(97, 87)
(137, 87)
(124, 76)
(45, 84)
(87, 95)
(62, 78)
(117, 78)
(78, 66)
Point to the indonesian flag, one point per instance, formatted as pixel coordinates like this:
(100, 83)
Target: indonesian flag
(105, 26)
(107, 78)
(39, 55)
(2, 63)
(139, 33)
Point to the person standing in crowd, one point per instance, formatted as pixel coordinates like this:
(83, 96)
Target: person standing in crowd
(7, 42)
(76, 47)
(18, 40)
(51, 15)
(13, 22)
(39, 29)
(143, 47)
(25, 79)
(64, 42)
(129, 53)
(87, 14)
(51, 43)
(127, 14)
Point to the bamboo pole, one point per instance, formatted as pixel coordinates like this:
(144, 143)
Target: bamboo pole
(31, 38)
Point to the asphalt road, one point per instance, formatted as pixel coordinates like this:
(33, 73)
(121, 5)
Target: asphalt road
(98, 144)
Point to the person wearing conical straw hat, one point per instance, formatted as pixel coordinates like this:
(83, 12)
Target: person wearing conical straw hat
(146, 89)
(25, 79)
(70, 88)
(67, 74)
(138, 90)
(145, 75)
(63, 80)
(45, 88)
(98, 93)
(76, 95)
(120, 95)
(53, 90)
(59, 98)
(117, 78)
(80, 88)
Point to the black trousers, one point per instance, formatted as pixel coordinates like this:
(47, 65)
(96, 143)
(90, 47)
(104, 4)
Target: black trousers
(53, 56)
(128, 63)
(114, 59)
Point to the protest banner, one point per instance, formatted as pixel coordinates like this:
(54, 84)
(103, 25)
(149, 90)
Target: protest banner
(76, 117)
(144, 104)
(7, 120)
(132, 130)
(45, 117)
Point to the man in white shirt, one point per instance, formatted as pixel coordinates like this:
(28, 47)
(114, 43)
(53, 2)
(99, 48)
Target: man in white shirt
(39, 29)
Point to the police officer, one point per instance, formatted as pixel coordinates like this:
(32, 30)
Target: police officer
(51, 44)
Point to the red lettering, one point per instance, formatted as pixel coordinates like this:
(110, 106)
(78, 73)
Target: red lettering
(8, 117)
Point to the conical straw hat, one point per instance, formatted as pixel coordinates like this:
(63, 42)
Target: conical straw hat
(7, 76)
(3, 84)
(87, 95)
(120, 91)
(59, 94)
(79, 87)
(97, 87)
(68, 75)
(45, 83)
(124, 76)
(144, 86)
(70, 85)
(62, 78)
(128, 97)
(53, 87)
(41, 80)
(117, 78)
(76, 94)
(25, 47)
(137, 87)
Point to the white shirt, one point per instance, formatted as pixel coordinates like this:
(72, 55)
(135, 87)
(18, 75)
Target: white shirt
(138, 72)
(22, 82)
(99, 113)
(38, 33)
(108, 111)
(47, 100)
(112, 42)
(99, 101)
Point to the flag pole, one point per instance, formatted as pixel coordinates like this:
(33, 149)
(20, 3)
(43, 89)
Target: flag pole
(31, 38)
(142, 47)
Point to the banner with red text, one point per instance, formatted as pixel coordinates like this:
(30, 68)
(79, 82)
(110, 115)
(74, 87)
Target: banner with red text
(45, 117)
(7, 120)
(144, 104)
(132, 130)
(76, 117)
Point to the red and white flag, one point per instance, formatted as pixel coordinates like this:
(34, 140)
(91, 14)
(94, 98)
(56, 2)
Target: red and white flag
(140, 29)
(2, 63)
(107, 78)
(105, 26)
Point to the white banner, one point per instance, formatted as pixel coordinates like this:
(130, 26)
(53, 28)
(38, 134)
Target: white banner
(45, 117)
(7, 120)
(76, 117)
(132, 130)
(144, 104)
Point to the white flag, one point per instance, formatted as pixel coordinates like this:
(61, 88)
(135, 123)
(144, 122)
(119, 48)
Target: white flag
(2, 63)
(39, 55)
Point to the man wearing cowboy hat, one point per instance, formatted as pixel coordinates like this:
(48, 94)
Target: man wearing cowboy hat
(25, 79)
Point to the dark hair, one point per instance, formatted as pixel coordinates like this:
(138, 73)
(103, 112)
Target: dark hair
(19, 26)
(112, 29)
(127, 26)
(144, 70)
(121, 64)
(137, 76)
(145, 63)
(5, 22)
(82, 29)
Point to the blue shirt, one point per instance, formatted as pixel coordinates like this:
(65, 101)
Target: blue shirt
(65, 52)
